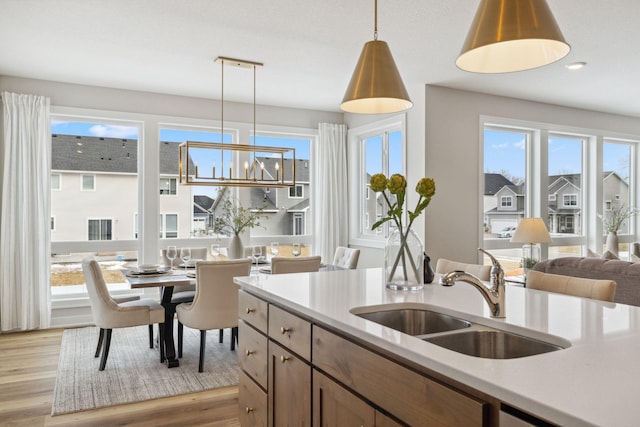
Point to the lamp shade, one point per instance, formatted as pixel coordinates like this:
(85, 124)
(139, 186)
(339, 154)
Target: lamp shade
(531, 230)
(512, 35)
(376, 86)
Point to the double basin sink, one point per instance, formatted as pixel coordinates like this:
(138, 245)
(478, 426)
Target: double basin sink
(457, 334)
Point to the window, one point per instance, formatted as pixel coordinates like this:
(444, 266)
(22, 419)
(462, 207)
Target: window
(55, 181)
(99, 229)
(84, 214)
(298, 224)
(168, 226)
(374, 148)
(88, 182)
(168, 186)
(556, 171)
(506, 201)
(295, 192)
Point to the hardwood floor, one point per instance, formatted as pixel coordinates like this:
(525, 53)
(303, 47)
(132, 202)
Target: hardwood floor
(28, 365)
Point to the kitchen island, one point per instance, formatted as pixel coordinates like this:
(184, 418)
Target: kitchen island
(591, 382)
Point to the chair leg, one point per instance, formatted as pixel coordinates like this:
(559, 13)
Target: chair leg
(100, 339)
(105, 352)
(180, 336)
(150, 336)
(234, 338)
(161, 334)
(203, 340)
(221, 336)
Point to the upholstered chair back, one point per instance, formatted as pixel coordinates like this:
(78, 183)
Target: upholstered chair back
(604, 290)
(482, 272)
(302, 264)
(346, 257)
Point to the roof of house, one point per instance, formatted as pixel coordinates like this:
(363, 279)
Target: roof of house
(98, 154)
(301, 168)
(202, 204)
(493, 182)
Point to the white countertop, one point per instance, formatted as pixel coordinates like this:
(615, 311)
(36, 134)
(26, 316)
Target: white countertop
(593, 382)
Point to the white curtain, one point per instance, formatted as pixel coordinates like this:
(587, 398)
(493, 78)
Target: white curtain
(330, 207)
(25, 297)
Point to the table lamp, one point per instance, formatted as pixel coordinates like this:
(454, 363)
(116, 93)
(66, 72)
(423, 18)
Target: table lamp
(531, 232)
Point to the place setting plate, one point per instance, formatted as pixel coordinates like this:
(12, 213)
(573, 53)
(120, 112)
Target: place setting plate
(148, 270)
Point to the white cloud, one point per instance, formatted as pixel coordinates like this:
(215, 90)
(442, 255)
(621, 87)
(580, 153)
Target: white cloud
(503, 145)
(520, 144)
(110, 131)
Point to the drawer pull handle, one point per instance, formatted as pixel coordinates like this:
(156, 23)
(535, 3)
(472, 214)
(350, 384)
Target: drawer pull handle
(249, 410)
(284, 358)
(249, 352)
(284, 330)
(250, 310)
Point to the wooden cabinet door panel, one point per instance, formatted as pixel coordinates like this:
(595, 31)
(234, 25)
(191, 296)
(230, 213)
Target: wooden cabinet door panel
(291, 331)
(289, 389)
(252, 353)
(253, 310)
(333, 405)
(252, 403)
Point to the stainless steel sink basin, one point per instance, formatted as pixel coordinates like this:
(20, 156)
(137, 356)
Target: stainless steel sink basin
(416, 322)
(492, 344)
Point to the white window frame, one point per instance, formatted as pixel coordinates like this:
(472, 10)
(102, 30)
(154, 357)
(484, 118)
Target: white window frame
(506, 201)
(93, 177)
(570, 197)
(295, 188)
(111, 221)
(357, 182)
(298, 216)
(163, 225)
(171, 180)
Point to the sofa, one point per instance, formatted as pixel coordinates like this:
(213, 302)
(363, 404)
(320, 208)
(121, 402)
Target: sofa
(625, 274)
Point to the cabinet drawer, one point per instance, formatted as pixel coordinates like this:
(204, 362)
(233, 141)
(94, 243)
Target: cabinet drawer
(253, 310)
(252, 353)
(408, 395)
(252, 403)
(290, 331)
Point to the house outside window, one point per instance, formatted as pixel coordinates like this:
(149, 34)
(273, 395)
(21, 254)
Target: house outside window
(298, 224)
(100, 229)
(88, 182)
(168, 186)
(168, 226)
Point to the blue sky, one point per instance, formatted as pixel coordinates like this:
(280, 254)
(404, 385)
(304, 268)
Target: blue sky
(506, 151)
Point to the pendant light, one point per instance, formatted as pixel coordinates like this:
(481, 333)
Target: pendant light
(221, 163)
(376, 86)
(512, 35)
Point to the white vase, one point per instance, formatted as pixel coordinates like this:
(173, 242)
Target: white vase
(403, 261)
(612, 242)
(236, 248)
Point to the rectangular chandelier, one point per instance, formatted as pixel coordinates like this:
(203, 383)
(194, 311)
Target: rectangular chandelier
(237, 165)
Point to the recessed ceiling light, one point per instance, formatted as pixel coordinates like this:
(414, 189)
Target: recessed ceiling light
(576, 65)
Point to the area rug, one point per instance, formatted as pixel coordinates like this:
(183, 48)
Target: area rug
(134, 372)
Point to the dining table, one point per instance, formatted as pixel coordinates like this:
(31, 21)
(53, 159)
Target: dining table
(165, 280)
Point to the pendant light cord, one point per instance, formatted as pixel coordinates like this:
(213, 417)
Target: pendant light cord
(375, 19)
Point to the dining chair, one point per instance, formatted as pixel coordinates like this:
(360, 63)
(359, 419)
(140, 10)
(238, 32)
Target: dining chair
(108, 314)
(281, 265)
(604, 290)
(482, 272)
(346, 257)
(215, 305)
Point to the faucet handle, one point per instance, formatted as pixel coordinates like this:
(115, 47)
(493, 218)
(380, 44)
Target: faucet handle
(494, 261)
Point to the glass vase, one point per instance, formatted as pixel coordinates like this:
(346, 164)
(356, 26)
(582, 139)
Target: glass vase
(403, 261)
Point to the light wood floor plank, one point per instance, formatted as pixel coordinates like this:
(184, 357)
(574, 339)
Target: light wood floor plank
(27, 379)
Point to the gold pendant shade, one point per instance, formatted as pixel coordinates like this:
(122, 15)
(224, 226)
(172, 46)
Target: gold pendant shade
(376, 86)
(512, 35)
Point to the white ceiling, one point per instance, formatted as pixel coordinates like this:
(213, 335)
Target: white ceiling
(309, 48)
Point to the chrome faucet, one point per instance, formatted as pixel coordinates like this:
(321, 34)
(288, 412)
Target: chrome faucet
(494, 295)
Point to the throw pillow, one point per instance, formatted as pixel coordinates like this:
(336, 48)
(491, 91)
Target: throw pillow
(609, 255)
(592, 254)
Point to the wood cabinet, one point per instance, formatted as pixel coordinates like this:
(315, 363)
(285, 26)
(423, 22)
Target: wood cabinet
(334, 405)
(289, 388)
(296, 372)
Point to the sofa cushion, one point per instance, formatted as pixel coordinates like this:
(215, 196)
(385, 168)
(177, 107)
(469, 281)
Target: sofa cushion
(625, 274)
